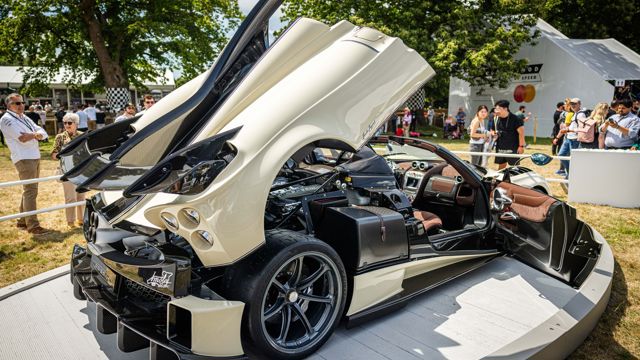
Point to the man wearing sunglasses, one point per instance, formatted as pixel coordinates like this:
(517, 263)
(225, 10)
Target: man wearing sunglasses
(22, 136)
(149, 101)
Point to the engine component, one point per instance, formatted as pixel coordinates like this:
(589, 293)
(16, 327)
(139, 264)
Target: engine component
(367, 235)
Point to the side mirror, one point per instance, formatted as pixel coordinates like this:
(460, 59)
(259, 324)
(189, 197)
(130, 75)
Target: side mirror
(500, 199)
(540, 159)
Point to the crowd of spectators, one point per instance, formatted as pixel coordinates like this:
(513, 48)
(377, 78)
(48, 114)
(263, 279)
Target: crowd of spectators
(607, 126)
(24, 128)
(613, 126)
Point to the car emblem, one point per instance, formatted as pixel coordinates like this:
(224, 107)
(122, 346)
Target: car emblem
(160, 281)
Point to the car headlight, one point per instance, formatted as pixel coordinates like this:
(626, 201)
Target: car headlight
(188, 171)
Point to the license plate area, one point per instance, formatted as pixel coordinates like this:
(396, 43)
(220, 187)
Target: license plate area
(105, 275)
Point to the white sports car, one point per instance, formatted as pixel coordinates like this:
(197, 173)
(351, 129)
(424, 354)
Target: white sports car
(217, 232)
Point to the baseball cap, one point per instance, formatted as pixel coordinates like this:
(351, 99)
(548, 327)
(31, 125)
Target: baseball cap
(575, 100)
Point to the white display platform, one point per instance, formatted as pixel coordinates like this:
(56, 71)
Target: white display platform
(605, 177)
(503, 310)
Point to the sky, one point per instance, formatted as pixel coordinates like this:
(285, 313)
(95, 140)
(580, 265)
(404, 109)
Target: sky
(246, 5)
(245, 8)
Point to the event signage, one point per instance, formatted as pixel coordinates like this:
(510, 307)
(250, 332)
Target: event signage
(531, 73)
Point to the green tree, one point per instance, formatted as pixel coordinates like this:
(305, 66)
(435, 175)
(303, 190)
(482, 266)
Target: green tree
(116, 43)
(594, 19)
(471, 40)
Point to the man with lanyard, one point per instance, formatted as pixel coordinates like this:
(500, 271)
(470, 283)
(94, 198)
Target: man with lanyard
(510, 131)
(22, 138)
(621, 130)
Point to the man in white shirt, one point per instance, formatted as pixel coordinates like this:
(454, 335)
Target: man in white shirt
(91, 114)
(83, 125)
(22, 136)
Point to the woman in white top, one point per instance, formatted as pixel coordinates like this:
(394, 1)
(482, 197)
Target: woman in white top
(478, 134)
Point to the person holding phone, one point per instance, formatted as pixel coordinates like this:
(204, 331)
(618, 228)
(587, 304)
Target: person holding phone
(621, 130)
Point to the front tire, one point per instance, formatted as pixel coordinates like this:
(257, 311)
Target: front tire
(294, 290)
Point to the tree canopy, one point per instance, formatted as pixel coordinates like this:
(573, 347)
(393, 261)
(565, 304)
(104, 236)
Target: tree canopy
(115, 43)
(471, 40)
(593, 19)
(118, 43)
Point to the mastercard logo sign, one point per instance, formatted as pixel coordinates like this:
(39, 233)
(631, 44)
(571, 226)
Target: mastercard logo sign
(524, 93)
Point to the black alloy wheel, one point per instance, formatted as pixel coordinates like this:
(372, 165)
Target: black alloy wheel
(300, 304)
(294, 292)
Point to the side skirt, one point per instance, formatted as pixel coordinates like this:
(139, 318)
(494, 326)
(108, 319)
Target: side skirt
(415, 286)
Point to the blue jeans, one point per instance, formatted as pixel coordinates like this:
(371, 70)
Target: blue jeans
(565, 150)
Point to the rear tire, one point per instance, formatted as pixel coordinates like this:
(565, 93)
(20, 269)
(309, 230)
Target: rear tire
(294, 290)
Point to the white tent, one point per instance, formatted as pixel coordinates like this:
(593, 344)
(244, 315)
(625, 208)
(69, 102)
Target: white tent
(559, 67)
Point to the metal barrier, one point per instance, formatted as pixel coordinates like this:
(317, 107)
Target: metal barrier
(59, 207)
(518, 156)
(29, 181)
(506, 155)
(35, 212)
(40, 211)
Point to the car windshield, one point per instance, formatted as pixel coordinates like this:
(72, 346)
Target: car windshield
(398, 152)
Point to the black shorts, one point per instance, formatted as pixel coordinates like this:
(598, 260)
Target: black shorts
(509, 160)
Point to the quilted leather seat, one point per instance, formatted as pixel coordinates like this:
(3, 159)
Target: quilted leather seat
(430, 221)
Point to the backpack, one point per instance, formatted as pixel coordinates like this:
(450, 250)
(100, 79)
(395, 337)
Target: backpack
(586, 112)
(587, 131)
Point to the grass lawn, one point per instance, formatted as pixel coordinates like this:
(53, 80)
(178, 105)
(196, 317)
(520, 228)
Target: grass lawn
(617, 335)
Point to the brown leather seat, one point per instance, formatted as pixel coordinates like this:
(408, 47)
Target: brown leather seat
(527, 203)
(430, 221)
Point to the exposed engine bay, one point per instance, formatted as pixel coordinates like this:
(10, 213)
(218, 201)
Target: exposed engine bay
(326, 192)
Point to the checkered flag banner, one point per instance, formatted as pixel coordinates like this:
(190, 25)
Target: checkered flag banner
(416, 101)
(118, 98)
